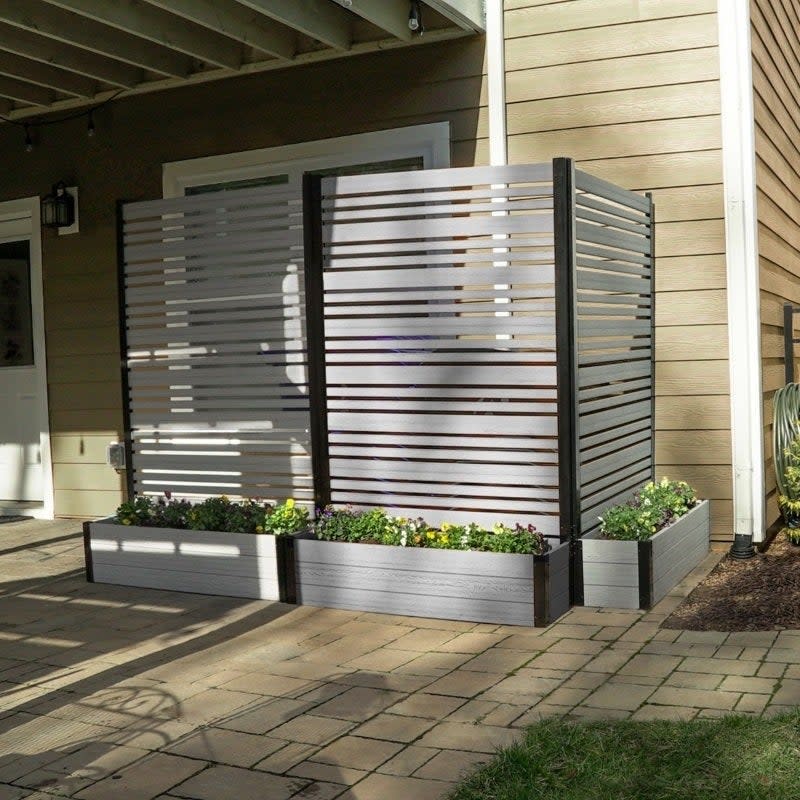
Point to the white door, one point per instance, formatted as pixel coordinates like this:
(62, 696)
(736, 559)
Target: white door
(26, 478)
(21, 477)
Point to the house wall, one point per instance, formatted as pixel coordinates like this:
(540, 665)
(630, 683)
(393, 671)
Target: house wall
(776, 94)
(628, 89)
(135, 136)
(631, 91)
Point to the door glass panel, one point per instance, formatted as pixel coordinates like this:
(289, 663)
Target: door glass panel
(16, 324)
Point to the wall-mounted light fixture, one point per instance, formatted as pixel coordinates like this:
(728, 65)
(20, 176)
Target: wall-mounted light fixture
(58, 208)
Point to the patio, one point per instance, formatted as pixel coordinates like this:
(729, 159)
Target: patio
(115, 692)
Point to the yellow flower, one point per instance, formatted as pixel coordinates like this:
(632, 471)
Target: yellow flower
(259, 529)
(431, 535)
(290, 503)
(417, 539)
(126, 522)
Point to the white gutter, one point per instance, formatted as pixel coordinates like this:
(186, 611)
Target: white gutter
(496, 82)
(741, 244)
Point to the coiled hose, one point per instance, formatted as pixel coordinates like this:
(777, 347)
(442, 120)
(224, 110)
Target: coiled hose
(785, 427)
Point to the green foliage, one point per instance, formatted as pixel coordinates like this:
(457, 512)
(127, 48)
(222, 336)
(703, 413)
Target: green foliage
(212, 514)
(286, 518)
(375, 526)
(732, 758)
(791, 470)
(793, 535)
(653, 508)
(789, 501)
(162, 512)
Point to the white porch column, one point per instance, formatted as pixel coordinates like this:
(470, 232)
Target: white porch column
(741, 241)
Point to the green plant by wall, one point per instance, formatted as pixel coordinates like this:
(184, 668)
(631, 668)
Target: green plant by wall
(212, 514)
(789, 499)
(375, 526)
(653, 508)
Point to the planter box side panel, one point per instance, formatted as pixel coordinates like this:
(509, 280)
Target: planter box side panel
(415, 582)
(557, 584)
(204, 562)
(610, 573)
(676, 555)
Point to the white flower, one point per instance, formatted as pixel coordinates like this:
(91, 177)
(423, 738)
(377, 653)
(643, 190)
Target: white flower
(403, 539)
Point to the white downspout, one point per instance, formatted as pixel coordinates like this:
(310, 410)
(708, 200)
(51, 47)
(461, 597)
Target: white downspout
(741, 243)
(496, 82)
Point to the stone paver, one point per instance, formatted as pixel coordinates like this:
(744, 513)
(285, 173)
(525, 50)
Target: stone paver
(115, 692)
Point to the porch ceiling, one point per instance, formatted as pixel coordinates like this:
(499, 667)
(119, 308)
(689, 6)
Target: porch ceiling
(62, 54)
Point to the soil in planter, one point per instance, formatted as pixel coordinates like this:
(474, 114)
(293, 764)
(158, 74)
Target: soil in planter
(760, 594)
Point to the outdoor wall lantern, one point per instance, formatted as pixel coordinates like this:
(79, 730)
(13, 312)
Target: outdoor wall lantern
(58, 208)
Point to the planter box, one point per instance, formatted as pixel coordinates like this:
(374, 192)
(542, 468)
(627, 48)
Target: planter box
(621, 574)
(504, 588)
(203, 562)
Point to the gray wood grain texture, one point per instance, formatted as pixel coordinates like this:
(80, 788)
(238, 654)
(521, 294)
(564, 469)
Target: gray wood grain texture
(611, 568)
(204, 562)
(676, 555)
(449, 584)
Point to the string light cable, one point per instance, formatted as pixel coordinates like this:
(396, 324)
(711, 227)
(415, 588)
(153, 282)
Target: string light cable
(28, 125)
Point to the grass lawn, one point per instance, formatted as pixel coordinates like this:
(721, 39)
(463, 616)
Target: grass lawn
(732, 758)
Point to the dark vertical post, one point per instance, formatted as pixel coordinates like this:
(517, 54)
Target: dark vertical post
(652, 225)
(788, 342)
(315, 336)
(123, 350)
(567, 365)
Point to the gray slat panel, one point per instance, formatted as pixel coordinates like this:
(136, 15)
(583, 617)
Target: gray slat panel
(230, 265)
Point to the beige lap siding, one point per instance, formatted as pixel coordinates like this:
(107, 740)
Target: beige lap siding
(631, 90)
(776, 83)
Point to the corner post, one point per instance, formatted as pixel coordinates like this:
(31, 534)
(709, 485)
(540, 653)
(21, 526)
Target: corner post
(788, 343)
(315, 336)
(652, 231)
(567, 367)
(123, 351)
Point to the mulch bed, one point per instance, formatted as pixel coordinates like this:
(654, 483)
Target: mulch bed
(760, 594)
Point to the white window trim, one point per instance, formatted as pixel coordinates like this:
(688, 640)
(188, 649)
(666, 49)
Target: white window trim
(431, 142)
(26, 212)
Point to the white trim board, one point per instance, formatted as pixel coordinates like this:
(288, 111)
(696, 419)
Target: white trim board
(741, 246)
(431, 142)
(20, 220)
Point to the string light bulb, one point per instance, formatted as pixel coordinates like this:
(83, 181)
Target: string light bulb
(28, 140)
(415, 18)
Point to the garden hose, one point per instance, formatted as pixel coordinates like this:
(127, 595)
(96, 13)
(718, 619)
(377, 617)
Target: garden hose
(785, 427)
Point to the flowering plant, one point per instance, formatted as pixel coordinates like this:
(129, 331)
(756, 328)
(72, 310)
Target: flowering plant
(212, 514)
(375, 526)
(653, 508)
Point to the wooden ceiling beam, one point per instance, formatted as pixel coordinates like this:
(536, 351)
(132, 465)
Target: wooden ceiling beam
(23, 92)
(69, 28)
(469, 15)
(389, 15)
(239, 23)
(319, 19)
(12, 66)
(73, 59)
(151, 23)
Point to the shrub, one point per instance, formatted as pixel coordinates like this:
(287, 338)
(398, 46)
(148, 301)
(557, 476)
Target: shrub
(653, 508)
(212, 514)
(789, 502)
(374, 526)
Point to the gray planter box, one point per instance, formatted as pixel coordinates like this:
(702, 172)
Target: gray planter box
(504, 588)
(621, 574)
(203, 562)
